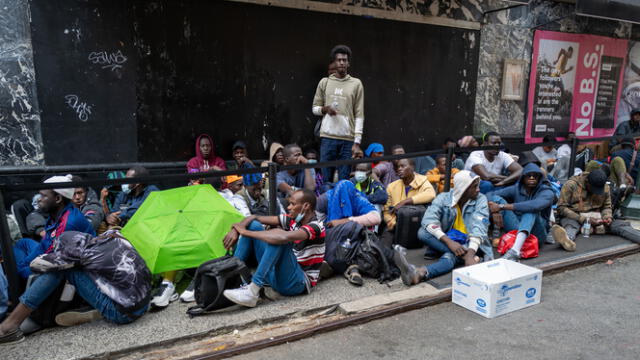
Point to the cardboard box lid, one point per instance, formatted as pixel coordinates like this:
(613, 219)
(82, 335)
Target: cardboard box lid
(498, 271)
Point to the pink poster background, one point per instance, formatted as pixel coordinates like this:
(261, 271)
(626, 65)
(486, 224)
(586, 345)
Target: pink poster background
(577, 100)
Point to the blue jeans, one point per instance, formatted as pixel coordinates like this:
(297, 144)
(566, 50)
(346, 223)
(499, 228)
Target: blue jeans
(487, 187)
(447, 261)
(532, 223)
(46, 283)
(332, 149)
(277, 264)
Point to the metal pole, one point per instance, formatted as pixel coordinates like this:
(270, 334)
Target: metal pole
(273, 190)
(572, 159)
(9, 260)
(447, 173)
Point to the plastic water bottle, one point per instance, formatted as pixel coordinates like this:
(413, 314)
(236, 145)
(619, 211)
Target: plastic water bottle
(347, 244)
(586, 228)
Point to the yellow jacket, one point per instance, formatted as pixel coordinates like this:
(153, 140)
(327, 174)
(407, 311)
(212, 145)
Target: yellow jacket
(421, 192)
(434, 178)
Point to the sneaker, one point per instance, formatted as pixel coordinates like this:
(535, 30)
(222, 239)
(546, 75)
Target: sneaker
(78, 316)
(243, 295)
(408, 272)
(561, 237)
(549, 239)
(12, 337)
(189, 294)
(430, 255)
(271, 294)
(511, 255)
(164, 294)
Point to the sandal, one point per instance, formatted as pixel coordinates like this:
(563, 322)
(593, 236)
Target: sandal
(353, 275)
(12, 337)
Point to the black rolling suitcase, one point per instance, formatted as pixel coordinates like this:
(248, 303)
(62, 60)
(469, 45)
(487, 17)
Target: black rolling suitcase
(407, 224)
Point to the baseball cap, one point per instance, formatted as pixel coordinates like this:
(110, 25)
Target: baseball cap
(239, 145)
(66, 192)
(597, 180)
(232, 178)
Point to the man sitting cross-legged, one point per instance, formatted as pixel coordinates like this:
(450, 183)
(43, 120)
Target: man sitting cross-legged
(455, 225)
(289, 257)
(587, 197)
(524, 206)
(491, 164)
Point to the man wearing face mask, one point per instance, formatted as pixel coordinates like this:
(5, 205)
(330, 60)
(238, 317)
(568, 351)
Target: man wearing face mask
(289, 255)
(130, 199)
(366, 184)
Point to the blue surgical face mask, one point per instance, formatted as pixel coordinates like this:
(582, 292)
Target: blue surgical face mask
(299, 217)
(360, 176)
(126, 189)
(312, 161)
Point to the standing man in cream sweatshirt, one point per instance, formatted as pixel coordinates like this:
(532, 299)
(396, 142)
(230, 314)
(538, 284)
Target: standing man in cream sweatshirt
(339, 99)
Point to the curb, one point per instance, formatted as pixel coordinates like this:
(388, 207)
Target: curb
(359, 311)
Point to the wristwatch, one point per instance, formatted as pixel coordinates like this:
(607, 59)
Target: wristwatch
(501, 206)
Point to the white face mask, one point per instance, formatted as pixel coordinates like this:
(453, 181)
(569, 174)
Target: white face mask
(125, 188)
(360, 176)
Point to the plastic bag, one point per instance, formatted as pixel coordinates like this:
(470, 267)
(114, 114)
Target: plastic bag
(529, 248)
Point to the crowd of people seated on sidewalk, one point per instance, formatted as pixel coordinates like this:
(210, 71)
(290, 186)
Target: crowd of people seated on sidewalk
(76, 266)
(491, 192)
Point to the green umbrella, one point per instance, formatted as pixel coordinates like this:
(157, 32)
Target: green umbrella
(181, 228)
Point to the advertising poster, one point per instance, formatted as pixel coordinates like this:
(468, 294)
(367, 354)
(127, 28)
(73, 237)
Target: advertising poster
(630, 98)
(576, 83)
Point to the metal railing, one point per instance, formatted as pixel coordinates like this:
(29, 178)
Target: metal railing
(272, 169)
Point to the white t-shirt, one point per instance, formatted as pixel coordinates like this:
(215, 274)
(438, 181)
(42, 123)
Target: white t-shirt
(500, 162)
(564, 150)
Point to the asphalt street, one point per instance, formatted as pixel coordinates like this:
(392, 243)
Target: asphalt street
(587, 313)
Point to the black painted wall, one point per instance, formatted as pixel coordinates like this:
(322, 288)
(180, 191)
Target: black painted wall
(85, 71)
(235, 71)
(248, 71)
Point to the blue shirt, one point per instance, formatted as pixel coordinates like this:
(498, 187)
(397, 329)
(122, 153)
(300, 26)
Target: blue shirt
(296, 180)
(131, 201)
(70, 219)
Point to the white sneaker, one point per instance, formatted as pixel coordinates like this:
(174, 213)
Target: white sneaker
(245, 295)
(164, 294)
(189, 294)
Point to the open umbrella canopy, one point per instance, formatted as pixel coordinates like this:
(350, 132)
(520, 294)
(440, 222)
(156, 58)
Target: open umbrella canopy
(181, 228)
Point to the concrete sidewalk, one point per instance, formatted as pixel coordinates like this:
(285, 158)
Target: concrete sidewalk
(172, 323)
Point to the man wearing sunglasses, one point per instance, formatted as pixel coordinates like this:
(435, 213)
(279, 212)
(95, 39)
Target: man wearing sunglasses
(524, 206)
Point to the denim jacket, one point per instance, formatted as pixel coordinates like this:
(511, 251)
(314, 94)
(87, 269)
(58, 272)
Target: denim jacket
(475, 214)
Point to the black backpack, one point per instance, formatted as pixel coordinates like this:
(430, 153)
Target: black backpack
(374, 259)
(341, 243)
(212, 278)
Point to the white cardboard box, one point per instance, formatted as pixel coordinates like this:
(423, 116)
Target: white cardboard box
(496, 287)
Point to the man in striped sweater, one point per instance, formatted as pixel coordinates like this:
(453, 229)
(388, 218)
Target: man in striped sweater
(289, 254)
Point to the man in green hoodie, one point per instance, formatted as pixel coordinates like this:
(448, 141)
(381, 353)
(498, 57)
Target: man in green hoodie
(339, 99)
